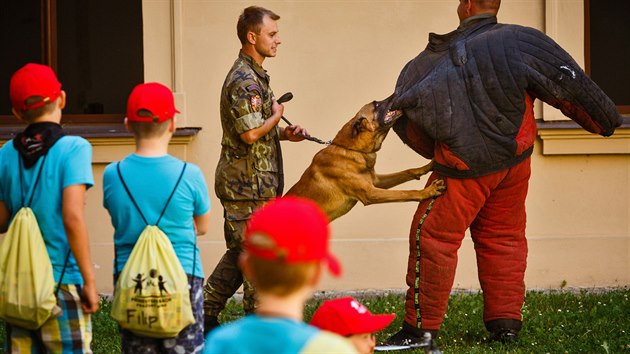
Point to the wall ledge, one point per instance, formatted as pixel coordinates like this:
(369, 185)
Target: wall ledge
(568, 138)
(112, 142)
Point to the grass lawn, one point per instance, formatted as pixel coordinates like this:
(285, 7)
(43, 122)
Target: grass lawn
(554, 322)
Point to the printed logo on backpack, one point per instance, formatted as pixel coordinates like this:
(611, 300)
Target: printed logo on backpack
(152, 297)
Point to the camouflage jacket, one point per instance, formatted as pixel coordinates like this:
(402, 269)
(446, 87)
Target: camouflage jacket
(247, 172)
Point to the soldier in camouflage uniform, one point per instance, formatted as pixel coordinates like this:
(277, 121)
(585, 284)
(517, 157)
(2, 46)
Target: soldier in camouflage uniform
(249, 171)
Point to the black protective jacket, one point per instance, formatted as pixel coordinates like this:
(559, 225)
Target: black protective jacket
(468, 97)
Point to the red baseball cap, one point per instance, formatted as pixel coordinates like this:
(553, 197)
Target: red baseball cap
(292, 230)
(33, 80)
(346, 316)
(153, 97)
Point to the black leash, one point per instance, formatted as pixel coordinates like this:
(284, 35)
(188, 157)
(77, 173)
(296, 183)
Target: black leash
(286, 98)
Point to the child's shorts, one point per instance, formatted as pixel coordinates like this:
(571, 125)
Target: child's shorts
(189, 340)
(71, 332)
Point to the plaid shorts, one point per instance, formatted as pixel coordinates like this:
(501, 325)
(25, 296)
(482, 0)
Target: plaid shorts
(189, 340)
(71, 332)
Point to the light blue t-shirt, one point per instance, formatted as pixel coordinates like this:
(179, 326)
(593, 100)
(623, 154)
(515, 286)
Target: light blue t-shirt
(255, 334)
(68, 162)
(151, 181)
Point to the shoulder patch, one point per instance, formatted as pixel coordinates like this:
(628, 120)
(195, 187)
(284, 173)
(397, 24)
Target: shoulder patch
(256, 101)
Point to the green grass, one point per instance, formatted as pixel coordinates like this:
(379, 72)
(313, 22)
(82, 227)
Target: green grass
(554, 322)
(105, 339)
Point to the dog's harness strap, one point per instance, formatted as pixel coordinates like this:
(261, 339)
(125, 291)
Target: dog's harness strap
(416, 289)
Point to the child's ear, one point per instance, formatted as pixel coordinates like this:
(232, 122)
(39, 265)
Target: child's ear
(243, 263)
(16, 114)
(127, 125)
(62, 99)
(172, 125)
(317, 274)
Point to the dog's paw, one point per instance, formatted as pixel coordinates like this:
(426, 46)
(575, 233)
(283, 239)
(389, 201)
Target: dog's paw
(437, 187)
(421, 171)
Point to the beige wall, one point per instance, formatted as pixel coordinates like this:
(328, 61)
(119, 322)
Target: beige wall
(336, 56)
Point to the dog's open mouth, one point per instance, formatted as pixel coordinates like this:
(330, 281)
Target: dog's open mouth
(390, 116)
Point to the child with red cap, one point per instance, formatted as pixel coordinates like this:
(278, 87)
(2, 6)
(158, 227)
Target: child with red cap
(57, 199)
(152, 187)
(285, 249)
(349, 318)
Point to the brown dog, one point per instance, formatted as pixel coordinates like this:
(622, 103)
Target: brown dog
(343, 173)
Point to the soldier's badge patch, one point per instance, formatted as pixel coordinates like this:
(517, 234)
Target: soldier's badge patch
(256, 103)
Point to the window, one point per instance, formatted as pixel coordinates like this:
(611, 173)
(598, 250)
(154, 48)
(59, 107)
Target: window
(608, 48)
(94, 46)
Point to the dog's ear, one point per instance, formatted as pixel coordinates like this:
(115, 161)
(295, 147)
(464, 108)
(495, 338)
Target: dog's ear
(357, 127)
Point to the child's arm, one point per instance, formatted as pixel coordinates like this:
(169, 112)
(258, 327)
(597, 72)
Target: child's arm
(76, 231)
(4, 217)
(201, 223)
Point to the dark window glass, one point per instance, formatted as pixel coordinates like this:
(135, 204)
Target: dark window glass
(95, 46)
(609, 31)
(99, 49)
(20, 42)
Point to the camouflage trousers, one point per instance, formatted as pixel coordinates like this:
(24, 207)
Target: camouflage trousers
(227, 277)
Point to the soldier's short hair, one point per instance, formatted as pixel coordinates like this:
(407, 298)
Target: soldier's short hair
(251, 20)
(148, 130)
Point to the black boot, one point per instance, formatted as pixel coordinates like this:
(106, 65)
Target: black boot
(210, 323)
(410, 335)
(504, 330)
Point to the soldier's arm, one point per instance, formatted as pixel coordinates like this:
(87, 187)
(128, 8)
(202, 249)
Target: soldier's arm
(293, 133)
(245, 96)
(252, 135)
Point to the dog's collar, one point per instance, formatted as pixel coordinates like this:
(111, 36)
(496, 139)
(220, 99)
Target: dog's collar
(355, 150)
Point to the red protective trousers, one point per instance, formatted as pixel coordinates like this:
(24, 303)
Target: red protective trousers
(493, 206)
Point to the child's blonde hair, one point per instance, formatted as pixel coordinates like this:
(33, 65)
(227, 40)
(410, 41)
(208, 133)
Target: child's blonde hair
(147, 130)
(29, 115)
(279, 278)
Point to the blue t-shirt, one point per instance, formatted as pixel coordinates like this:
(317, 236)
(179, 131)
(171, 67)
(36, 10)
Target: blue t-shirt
(258, 334)
(68, 162)
(151, 181)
